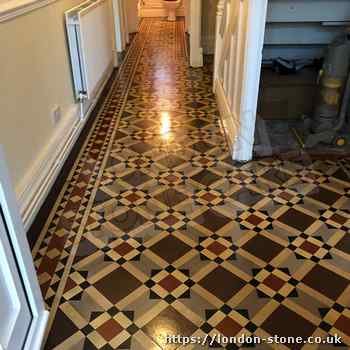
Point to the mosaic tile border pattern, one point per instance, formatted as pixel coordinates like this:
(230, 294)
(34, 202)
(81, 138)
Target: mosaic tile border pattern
(158, 229)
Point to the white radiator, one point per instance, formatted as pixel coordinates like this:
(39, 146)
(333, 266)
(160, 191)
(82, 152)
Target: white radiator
(90, 45)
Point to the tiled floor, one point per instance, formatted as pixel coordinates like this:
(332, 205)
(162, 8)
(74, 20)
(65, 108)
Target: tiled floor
(157, 232)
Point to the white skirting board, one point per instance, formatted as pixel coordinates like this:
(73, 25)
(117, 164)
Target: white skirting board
(38, 181)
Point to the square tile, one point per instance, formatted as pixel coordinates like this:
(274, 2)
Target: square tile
(263, 248)
(141, 147)
(198, 123)
(171, 197)
(206, 177)
(110, 329)
(222, 283)
(136, 178)
(343, 324)
(344, 244)
(212, 220)
(168, 322)
(117, 285)
(277, 176)
(128, 221)
(169, 283)
(202, 146)
(228, 327)
(171, 161)
(326, 282)
(145, 124)
(247, 197)
(62, 329)
(170, 248)
(297, 219)
(340, 174)
(324, 195)
(286, 323)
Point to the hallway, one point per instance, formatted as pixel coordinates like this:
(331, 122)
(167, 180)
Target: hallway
(156, 232)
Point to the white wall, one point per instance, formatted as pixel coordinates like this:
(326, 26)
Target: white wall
(35, 76)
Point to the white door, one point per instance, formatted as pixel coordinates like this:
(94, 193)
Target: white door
(240, 29)
(15, 312)
(23, 317)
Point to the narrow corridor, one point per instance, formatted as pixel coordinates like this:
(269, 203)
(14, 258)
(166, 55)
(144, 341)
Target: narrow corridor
(157, 232)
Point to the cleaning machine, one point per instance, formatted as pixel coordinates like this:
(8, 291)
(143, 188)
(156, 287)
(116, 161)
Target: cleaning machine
(327, 125)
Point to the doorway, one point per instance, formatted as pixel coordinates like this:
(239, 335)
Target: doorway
(268, 55)
(300, 45)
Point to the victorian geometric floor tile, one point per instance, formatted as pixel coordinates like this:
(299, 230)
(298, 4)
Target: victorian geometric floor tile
(158, 232)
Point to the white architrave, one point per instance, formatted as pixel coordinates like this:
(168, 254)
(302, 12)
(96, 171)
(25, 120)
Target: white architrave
(196, 51)
(239, 45)
(218, 43)
(121, 27)
(118, 26)
(126, 25)
(254, 42)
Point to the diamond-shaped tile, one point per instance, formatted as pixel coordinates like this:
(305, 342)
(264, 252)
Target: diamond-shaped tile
(212, 220)
(222, 283)
(247, 196)
(170, 248)
(141, 147)
(128, 221)
(297, 219)
(344, 244)
(342, 175)
(171, 161)
(169, 321)
(263, 248)
(202, 146)
(216, 248)
(334, 286)
(280, 321)
(343, 324)
(117, 285)
(198, 123)
(110, 329)
(136, 178)
(206, 177)
(169, 283)
(277, 176)
(228, 327)
(274, 282)
(171, 197)
(324, 195)
(145, 124)
(63, 328)
(123, 248)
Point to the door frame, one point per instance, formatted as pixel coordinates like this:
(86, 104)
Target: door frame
(239, 117)
(24, 259)
(121, 31)
(195, 31)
